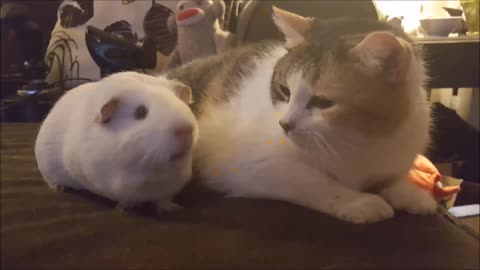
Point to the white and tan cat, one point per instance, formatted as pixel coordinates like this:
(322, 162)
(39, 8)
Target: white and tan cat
(330, 120)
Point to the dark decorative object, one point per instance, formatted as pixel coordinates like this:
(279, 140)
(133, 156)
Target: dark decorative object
(155, 27)
(123, 29)
(453, 12)
(71, 16)
(456, 12)
(112, 52)
(455, 139)
(60, 54)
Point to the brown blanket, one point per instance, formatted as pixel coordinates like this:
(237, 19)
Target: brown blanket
(41, 229)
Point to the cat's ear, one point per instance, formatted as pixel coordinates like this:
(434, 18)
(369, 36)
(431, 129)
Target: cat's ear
(381, 53)
(293, 26)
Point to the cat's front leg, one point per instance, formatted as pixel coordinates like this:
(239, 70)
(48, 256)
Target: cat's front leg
(302, 185)
(364, 208)
(404, 195)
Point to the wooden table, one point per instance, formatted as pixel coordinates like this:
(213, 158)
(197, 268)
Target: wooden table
(41, 229)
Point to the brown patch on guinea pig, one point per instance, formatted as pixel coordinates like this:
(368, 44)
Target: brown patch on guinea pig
(107, 111)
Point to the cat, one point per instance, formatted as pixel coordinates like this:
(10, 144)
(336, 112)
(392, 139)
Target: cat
(331, 119)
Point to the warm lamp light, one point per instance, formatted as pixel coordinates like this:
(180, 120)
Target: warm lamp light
(409, 10)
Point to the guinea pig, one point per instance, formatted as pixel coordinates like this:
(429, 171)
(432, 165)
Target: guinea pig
(127, 137)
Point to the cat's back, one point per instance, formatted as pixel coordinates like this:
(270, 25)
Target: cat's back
(217, 78)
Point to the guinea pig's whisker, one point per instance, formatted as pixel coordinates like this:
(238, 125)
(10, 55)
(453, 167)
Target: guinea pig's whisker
(149, 156)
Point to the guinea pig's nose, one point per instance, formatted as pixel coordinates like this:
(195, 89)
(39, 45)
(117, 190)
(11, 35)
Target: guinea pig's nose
(184, 136)
(184, 133)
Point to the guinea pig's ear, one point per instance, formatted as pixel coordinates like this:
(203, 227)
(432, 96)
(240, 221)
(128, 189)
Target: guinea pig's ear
(107, 111)
(183, 92)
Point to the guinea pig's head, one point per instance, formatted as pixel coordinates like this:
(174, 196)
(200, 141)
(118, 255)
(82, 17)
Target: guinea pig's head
(147, 119)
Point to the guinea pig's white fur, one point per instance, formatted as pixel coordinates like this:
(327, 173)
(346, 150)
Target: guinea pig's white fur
(124, 159)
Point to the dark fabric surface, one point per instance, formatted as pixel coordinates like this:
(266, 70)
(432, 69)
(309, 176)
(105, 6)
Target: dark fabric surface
(41, 229)
(454, 138)
(470, 194)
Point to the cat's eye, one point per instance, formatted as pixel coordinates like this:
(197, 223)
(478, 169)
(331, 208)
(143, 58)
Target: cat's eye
(285, 91)
(141, 112)
(320, 103)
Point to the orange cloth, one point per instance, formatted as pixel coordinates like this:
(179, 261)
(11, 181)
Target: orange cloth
(425, 175)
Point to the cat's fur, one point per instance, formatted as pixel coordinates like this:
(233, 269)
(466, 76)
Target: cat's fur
(332, 157)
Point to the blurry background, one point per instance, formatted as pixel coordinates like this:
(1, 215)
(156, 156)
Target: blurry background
(466, 104)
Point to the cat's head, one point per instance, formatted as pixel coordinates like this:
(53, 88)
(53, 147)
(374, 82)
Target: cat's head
(348, 75)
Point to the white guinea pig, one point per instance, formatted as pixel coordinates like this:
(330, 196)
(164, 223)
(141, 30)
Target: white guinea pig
(128, 137)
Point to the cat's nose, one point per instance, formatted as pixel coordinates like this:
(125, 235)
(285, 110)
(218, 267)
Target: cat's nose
(286, 126)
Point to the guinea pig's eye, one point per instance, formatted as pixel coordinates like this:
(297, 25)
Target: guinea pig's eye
(285, 92)
(199, 3)
(141, 112)
(181, 7)
(320, 103)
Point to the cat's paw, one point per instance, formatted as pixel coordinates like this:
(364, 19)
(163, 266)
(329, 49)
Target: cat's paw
(365, 208)
(165, 207)
(125, 206)
(424, 206)
(56, 188)
(410, 198)
(418, 203)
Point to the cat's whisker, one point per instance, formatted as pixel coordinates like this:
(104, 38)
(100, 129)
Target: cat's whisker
(328, 147)
(316, 141)
(321, 145)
